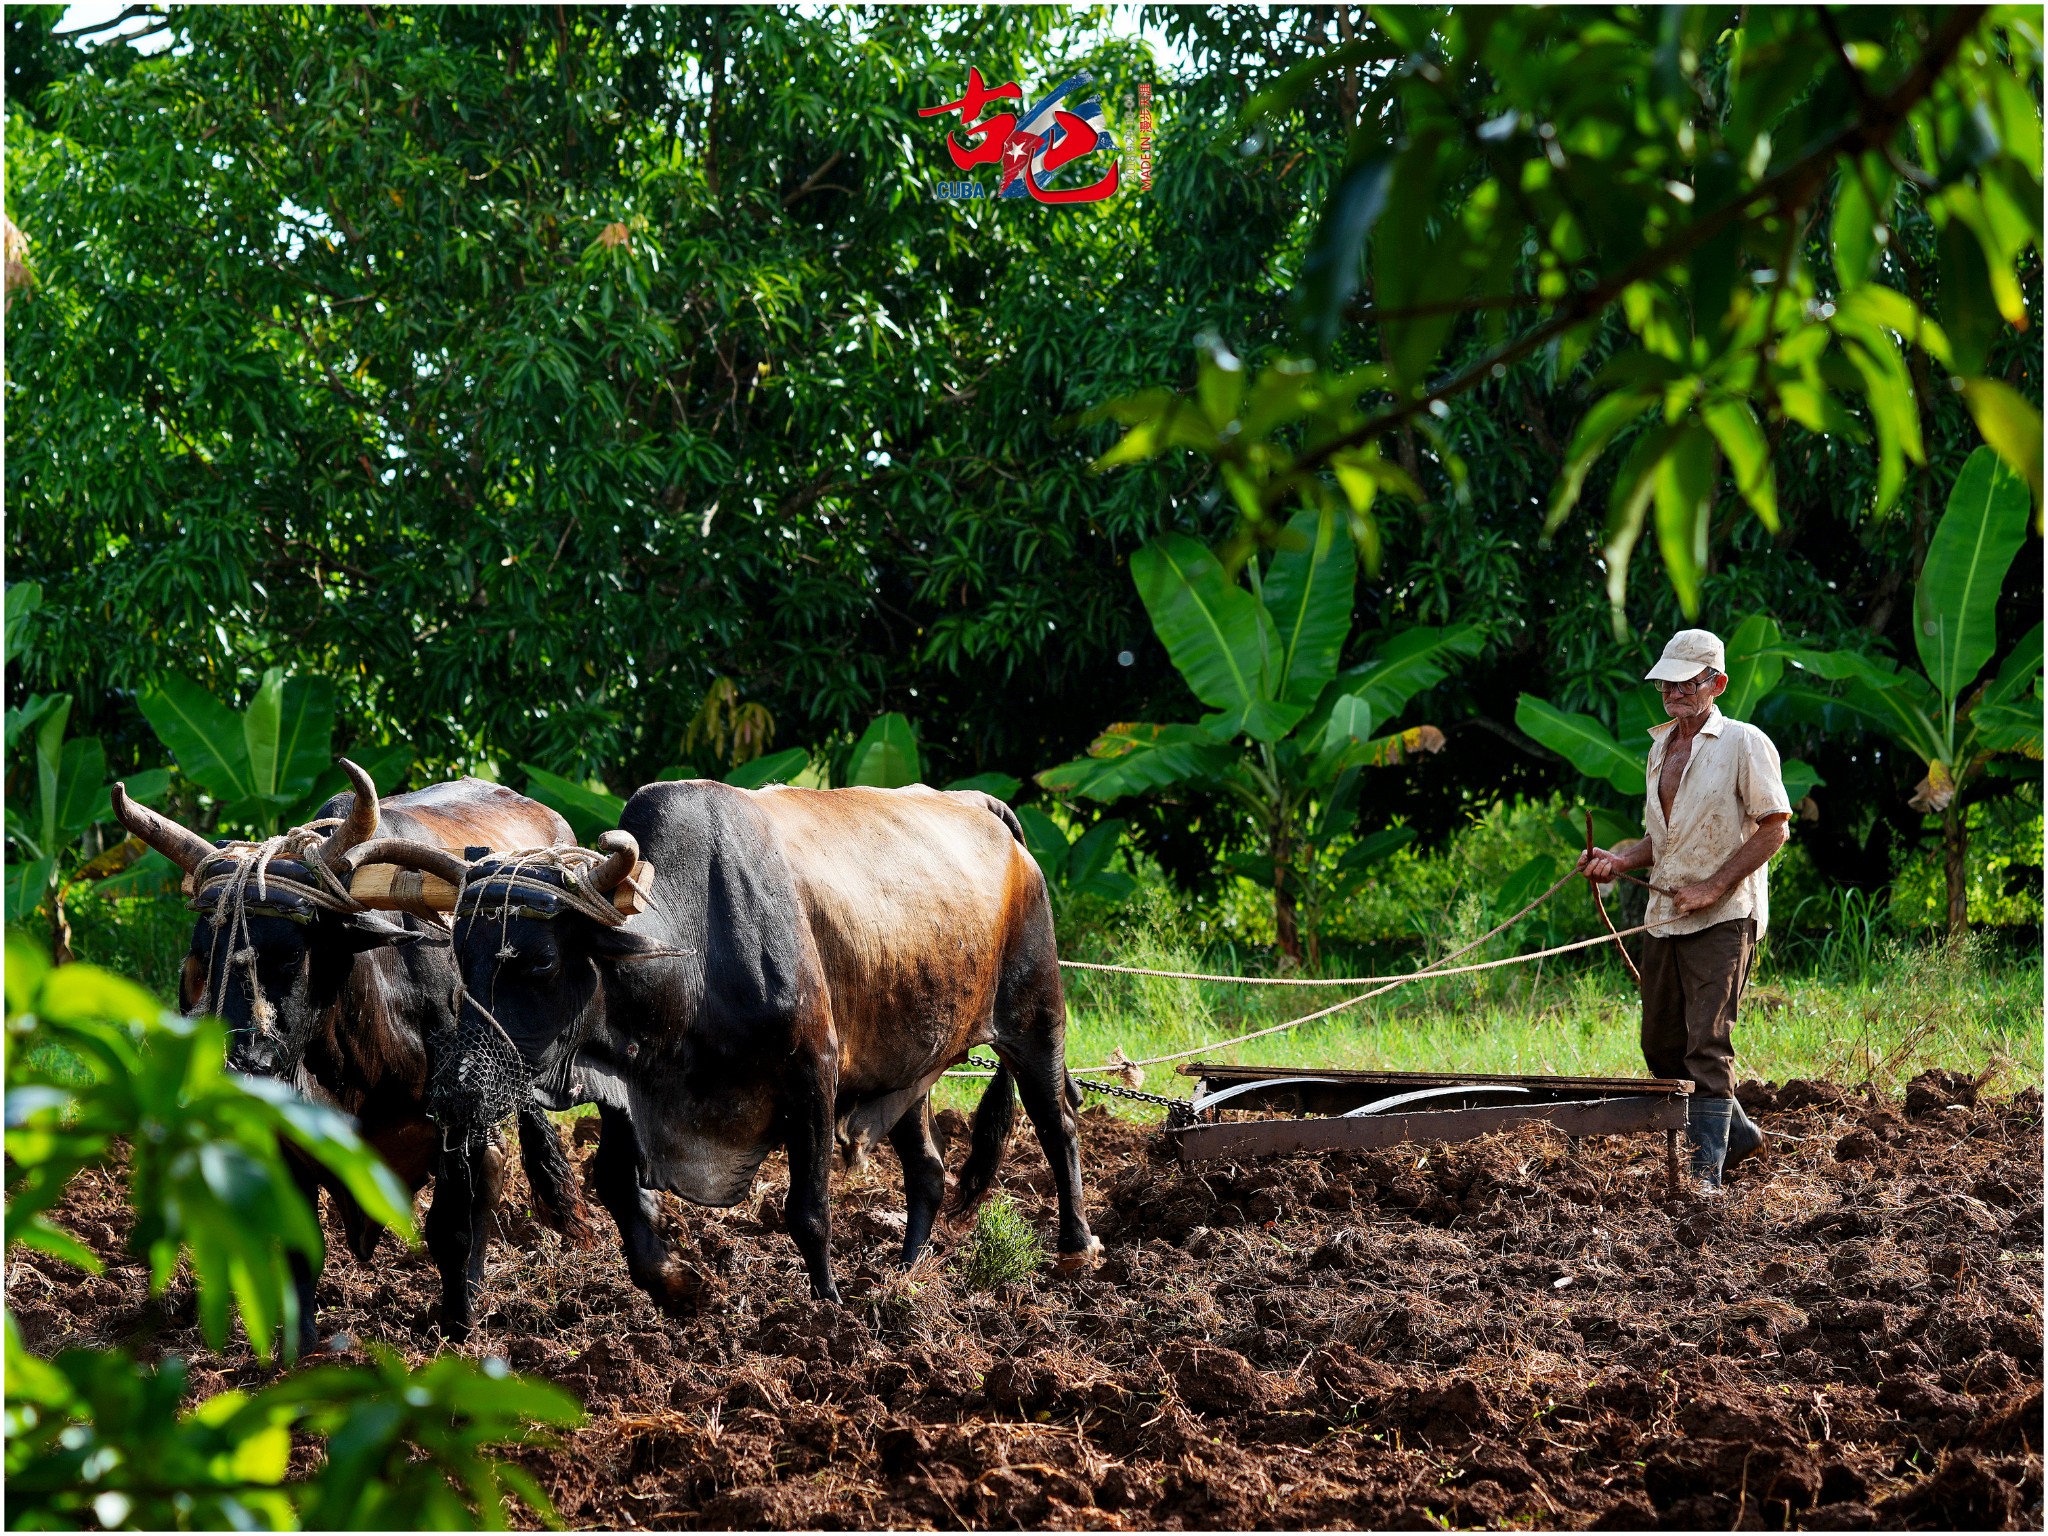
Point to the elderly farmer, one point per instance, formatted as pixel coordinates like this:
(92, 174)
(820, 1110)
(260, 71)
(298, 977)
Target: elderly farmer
(1715, 814)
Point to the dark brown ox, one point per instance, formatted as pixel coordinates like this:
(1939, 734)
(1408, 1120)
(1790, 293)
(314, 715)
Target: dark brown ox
(807, 964)
(355, 1009)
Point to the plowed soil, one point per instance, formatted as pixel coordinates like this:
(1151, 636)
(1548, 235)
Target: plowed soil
(1513, 1331)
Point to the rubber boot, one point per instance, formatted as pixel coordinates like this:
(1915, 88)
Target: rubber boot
(1706, 1123)
(1746, 1138)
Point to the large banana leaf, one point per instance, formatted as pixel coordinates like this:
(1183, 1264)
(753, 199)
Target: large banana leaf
(1799, 779)
(2013, 727)
(885, 757)
(387, 765)
(1358, 859)
(288, 734)
(1756, 663)
(1088, 871)
(2019, 671)
(771, 768)
(1955, 606)
(50, 771)
(1897, 702)
(1584, 743)
(588, 811)
(1308, 593)
(1218, 634)
(203, 733)
(1048, 844)
(1127, 759)
(1411, 661)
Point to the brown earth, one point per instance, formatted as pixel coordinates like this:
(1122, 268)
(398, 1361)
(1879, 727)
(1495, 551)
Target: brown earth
(1513, 1331)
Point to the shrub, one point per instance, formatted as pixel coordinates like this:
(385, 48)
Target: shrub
(1004, 1246)
(94, 1436)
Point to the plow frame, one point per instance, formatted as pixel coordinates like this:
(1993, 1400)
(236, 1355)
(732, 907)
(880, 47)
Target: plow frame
(1320, 1105)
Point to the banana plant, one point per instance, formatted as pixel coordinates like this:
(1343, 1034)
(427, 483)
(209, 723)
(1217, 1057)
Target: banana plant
(1078, 866)
(1756, 666)
(1943, 714)
(268, 763)
(68, 794)
(1289, 735)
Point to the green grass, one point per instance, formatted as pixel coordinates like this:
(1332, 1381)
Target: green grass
(1896, 1009)
(1003, 1247)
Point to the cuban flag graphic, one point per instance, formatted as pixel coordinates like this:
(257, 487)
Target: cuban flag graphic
(1049, 136)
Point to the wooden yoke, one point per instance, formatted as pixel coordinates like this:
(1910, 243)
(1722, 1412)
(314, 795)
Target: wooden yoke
(387, 888)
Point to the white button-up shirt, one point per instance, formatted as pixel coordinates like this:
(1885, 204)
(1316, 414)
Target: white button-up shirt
(1729, 784)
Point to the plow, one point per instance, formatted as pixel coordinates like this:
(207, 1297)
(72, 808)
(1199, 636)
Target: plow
(1320, 1109)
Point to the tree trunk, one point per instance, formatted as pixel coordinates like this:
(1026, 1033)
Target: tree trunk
(1285, 931)
(1955, 841)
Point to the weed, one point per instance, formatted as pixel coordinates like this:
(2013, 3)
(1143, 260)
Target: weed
(1004, 1246)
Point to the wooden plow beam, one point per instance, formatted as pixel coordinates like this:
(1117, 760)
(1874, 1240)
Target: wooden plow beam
(1334, 1110)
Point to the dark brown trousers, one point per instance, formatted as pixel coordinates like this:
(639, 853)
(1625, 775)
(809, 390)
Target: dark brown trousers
(1692, 985)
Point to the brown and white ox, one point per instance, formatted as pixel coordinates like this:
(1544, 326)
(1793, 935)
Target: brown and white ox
(807, 964)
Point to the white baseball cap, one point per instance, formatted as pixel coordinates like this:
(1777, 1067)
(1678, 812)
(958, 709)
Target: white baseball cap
(1684, 655)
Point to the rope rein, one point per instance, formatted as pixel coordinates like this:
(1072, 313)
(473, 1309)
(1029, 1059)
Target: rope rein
(1123, 1067)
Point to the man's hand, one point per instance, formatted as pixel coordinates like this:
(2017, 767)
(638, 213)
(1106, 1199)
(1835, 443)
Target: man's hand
(1688, 899)
(1600, 865)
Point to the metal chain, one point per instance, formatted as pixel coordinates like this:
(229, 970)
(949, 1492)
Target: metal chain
(1178, 1113)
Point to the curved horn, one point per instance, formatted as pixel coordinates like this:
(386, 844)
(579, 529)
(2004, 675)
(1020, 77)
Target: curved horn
(407, 855)
(360, 825)
(186, 849)
(625, 853)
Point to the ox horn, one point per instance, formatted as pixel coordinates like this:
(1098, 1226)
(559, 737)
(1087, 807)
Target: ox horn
(184, 848)
(625, 853)
(360, 825)
(407, 855)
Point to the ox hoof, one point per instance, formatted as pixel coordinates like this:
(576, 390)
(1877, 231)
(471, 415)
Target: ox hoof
(1081, 1262)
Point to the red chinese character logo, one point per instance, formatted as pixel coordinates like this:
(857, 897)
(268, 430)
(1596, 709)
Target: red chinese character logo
(994, 131)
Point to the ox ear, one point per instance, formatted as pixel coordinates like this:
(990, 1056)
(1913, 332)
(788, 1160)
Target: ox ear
(367, 930)
(623, 944)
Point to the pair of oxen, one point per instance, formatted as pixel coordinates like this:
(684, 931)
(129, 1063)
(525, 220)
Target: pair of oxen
(800, 967)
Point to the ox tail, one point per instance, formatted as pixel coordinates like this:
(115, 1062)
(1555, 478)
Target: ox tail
(557, 1196)
(993, 1119)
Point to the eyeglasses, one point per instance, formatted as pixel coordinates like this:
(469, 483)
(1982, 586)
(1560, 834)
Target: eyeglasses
(1691, 686)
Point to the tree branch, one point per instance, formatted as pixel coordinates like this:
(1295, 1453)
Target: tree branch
(126, 16)
(812, 183)
(1790, 188)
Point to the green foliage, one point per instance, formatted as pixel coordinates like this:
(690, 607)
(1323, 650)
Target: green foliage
(1551, 175)
(95, 1438)
(275, 759)
(886, 755)
(70, 794)
(1078, 866)
(1267, 657)
(1756, 664)
(205, 1172)
(1955, 618)
(1003, 1248)
(617, 357)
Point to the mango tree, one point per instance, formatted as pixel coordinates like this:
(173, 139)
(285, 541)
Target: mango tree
(1638, 191)
(1290, 735)
(1953, 723)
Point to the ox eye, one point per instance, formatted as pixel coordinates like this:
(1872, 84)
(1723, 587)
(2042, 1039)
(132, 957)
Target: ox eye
(544, 967)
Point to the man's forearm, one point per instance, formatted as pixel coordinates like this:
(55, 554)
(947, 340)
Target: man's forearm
(1770, 835)
(1636, 855)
